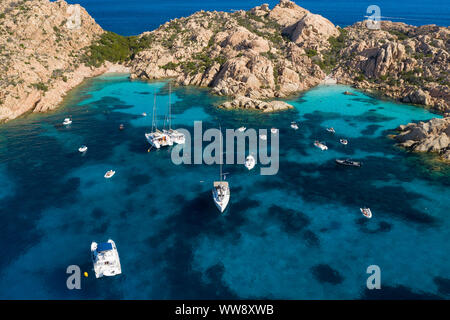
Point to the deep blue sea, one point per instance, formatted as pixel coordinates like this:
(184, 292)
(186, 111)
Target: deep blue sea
(295, 235)
(133, 17)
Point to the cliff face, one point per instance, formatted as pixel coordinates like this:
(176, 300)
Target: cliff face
(40, 54)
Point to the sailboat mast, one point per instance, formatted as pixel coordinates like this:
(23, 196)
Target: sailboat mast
(170, 107)
(154, 113)
(220, 151)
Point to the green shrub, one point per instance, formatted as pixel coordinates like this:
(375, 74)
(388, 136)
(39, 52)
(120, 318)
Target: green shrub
(115, 48)
(40, 86)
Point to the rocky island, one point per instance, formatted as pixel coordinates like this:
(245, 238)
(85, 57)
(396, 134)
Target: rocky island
(251, 56)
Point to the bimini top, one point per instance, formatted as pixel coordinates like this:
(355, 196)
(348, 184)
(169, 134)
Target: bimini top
(105, 246)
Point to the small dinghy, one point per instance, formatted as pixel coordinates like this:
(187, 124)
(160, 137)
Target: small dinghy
(331, 130)
(349, 163)
(82, 149)
(242, 129)
(250, 162)
(274, 130)
(343, 141)
(109, 174)
(320, 145)
(67, 121)
(144, 114)
(294, 125)
(121, 127)
(366, 212)
(263, 137)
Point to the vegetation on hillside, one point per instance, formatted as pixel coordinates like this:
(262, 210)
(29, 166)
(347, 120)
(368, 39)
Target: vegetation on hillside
(115, 48)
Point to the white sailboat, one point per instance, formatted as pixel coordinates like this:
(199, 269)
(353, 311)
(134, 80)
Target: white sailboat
(105, 258)
(174, 135)
(157, 138)
(221, 189)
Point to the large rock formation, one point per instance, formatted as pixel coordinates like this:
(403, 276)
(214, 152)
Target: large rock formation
(41, 44)
(431, 136)
(407, 63)
(239, 54)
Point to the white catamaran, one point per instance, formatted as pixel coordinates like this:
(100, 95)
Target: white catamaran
(157, 138)
(174, 135)
(106, 259)
(221, 189)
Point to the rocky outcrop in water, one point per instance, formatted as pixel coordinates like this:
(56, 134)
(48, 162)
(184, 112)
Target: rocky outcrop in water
(254, 104)
(431, 136)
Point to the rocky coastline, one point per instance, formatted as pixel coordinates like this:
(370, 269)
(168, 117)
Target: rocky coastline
(430, 136)
(251, 56)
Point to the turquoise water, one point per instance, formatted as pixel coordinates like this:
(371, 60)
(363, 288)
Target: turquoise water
(296, 235)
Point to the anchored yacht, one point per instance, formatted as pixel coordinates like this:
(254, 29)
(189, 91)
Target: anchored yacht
(67, 121)
(331, 130)
(221, 189)
(320, 145)
(274, 130)
(263, 137)
(106, 259)
(343, 141)
(250, 162)
(294, 125)
(157, 138)
(174, 135)
(242, 129)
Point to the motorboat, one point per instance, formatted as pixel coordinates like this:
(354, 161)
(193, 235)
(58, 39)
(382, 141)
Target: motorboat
(250, 162)
(121, 127)
(82, 149)
(274, 130)
(105, 258)
(349, 163)
(366, 212)
(343, 141)
(263, 137)
(294, 125)
(109, 174)
(331, 130)
(242, 129)
(320, 145)
(144, 114)
(67, 121)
